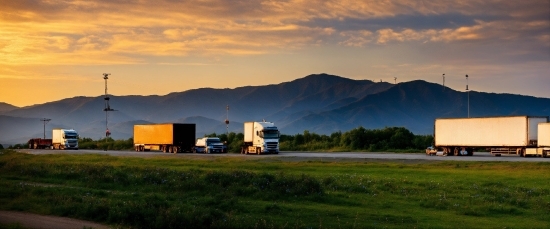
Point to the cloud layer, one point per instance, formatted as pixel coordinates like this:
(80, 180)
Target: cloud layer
(121, 31)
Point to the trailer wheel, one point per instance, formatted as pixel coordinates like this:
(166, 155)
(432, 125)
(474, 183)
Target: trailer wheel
(456, 152)
(175, 149)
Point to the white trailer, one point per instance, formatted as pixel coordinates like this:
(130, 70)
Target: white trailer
(260, 137)
(509, 134)
(543, 143)
(64, 139)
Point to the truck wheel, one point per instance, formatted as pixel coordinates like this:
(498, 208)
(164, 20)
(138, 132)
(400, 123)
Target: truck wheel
(544, 154)
(258, 151)
(521, 152)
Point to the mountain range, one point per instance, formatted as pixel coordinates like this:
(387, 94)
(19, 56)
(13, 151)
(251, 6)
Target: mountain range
(319, 103)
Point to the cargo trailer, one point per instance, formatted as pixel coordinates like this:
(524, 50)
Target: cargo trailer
(508, 134)
(39, 143)
(543, 142)
(166, 137)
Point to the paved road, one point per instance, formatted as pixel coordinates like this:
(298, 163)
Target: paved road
(479, 156)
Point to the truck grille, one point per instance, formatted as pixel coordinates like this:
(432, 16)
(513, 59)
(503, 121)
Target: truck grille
(272, 145)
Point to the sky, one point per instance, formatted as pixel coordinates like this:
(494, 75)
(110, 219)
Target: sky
(51, 50)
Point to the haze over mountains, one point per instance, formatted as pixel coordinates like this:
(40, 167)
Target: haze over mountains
(319, 103)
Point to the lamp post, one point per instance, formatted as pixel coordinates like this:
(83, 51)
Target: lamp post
(468, 91)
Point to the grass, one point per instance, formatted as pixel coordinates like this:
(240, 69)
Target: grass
(231, 192)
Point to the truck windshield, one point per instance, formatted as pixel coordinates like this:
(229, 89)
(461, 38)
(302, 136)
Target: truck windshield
(270, 134)
(71, 136)
(210, 142)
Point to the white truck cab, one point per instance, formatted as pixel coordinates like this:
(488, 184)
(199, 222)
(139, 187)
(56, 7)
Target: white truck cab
(210, 145)
(260, 137)
(64, 139)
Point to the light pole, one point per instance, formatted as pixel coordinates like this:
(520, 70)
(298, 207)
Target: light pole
(227, 121)
(45, 120)
(468, 91)
(443, 81)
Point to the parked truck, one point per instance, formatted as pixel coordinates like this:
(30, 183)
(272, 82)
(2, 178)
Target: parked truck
(210, 145)
(499, 135)
(260, 137)
(39, 143)
(166, 137)
(64, 139)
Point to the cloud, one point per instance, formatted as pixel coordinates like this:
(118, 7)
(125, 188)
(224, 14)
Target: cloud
(127, 32)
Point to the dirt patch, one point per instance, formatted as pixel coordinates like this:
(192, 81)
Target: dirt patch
(30, 220)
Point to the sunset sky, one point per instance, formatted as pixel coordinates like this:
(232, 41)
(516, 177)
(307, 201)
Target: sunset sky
(51, 50)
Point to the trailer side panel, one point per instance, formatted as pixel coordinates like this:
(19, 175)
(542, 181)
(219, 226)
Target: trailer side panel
(161, 134)
(513, 131)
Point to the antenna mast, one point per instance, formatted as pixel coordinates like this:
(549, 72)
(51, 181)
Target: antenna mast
(395, 80)
(107, 107)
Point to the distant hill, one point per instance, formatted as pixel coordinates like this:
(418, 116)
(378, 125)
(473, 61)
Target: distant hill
(6, 107)
(319, 103)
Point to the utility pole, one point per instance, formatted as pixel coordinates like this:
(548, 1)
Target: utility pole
(45, 120)
(468, 91)
(395, 80)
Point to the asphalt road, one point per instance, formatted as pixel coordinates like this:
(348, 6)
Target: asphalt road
(340, 156)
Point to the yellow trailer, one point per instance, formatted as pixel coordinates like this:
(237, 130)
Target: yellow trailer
(166, 137)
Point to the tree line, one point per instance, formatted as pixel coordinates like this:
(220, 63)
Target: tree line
(358, 139)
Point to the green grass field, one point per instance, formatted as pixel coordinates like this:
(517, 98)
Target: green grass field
(256, 192)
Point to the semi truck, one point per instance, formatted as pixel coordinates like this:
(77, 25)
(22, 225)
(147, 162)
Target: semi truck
(499, 135)
(64, 139)
(210, 145)
(260, 138)
(166, 137)
(39, 143)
